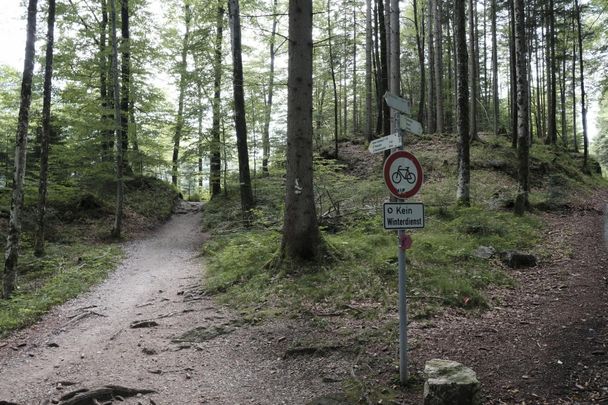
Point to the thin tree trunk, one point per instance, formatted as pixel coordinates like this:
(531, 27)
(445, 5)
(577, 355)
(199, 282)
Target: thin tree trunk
(107, 134)
(438, 67)
(432, 110)
(463, 195)
(473, 71)
(582, 84)
(574, 129)
(117, 229)
(513, 68)
(495, 95)
(46, 130)
(125, 100)
(562, 94)
(552, 84)
(333, 78)
(354, 81)
(266, 133)
(386, 114)
(523, 145)
(11, 254)
(301, 237)
(240, 122)
(179, 121)
(420, 48)
(216, 157)
(368, 71)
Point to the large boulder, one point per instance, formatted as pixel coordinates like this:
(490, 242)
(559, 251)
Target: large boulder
(450, 383)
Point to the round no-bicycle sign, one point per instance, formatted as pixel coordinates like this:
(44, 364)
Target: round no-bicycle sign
(402, 174)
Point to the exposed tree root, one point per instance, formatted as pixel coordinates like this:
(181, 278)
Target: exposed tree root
(103, 393)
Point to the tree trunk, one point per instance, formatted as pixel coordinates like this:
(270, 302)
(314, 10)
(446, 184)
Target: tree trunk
(11, 254)
(46, 130)
(438, 67)
(552, 84)
(266, 133)
(473, 70)
(216, 157)
(521, 74)
(463, 196)
(333, 78)
(117, 229)
(574, 135)
(301, 237)
(125, 99)
(368, 71)
(107, 134)
(432, 110)
(582, 81)
(386, 114)
(512, 71)
(495, 95)
(420, 48)
(354, 81)
(240, 122)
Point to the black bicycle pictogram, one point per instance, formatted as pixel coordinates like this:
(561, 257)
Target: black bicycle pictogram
(403, 173)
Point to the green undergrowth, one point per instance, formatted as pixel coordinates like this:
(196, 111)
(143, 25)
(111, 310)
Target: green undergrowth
(63, 273)
(359, 274)
(78, 252)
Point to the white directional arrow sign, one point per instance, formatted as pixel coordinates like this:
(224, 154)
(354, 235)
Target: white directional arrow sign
(410, 125)
(386, 142)
(397, 103)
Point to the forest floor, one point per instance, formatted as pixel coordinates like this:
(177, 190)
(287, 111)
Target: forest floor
(545, 342)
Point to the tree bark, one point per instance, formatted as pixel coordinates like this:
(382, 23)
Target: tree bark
(240, 122)
(582, 84)
(512, 71)
(11, 254)
(463, 193)
(473, 70)
(438, 67)
(552, 85)
(523, 141)
(432, 110)
(301, 237)
(107, 134)
(574, 129)
(495, 95)
(125, 72)
(333, 77)
(420, 48)
(386, 114)
(46, 130)
(179, 121)
(266, 133)
(216, 156)
(368, 71)
(117, 229)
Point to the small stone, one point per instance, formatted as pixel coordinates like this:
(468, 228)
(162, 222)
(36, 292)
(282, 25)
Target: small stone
(52, 344)
(148, 351)
(188, 376)
(450, 383)
(484, 252)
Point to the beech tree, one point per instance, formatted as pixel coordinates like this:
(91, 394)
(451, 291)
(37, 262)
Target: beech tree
(301, 237)
(46, 131)
(11, 254)
(464, 161)
(247, 202)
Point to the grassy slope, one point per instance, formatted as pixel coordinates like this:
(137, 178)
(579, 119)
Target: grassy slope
(78, 252)
(361, 271)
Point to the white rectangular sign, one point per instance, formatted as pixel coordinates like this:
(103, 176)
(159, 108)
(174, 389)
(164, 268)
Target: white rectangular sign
(386, 142)
(403, 215)
(410, 125)
(397, 103)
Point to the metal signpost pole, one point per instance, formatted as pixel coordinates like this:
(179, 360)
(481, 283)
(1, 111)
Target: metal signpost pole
(403, 360)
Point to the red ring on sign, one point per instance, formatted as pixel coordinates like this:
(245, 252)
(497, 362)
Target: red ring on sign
(387, 175)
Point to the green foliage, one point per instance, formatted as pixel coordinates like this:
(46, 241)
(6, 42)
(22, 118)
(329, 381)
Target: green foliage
(63, 273)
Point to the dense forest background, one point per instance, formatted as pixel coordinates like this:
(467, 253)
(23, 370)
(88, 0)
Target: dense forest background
(176, 64)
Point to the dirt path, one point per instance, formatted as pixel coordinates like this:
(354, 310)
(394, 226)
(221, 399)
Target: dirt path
(88, 342)
(546, 340)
